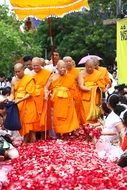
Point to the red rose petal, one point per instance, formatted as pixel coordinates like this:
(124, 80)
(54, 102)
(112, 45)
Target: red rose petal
(70, 163)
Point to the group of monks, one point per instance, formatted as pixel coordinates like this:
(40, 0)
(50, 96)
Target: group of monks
(61, 100)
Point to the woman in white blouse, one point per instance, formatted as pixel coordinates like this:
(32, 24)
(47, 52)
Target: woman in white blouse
(111, 132)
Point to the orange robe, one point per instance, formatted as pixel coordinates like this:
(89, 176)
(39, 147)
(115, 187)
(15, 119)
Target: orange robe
(91, 100)
(105, 76)
(41, 79)
(64, 114)
(75, 73)
(27, 108)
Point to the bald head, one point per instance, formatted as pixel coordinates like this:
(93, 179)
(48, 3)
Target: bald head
(89, 65)
(61, 66)
(69, 62)
(61, 63)
(36, 64)
(96, 62)
(19, 70)
(18, 66)
(67, 58)
(37, 60)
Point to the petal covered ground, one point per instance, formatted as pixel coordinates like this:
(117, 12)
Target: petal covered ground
(63, 165)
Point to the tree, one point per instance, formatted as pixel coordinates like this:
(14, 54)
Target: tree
(79, 34)
(76, 34)
(14, 44)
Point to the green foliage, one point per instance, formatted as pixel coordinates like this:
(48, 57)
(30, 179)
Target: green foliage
(76, 34)
(79, 34)
(13, 43)
(30, 44)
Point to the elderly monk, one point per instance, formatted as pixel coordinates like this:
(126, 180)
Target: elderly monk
(71, 69)
(41, 77)
(22, 89)
(91, 84)
(61, 87)
(105, 75)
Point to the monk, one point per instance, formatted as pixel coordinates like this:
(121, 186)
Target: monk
(41, 77)
(105, 75)
(72, 70)
(91, 85)
(22, 89)
(60, 87)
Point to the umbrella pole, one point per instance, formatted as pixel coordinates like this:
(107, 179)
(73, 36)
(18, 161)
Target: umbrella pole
(51, 38)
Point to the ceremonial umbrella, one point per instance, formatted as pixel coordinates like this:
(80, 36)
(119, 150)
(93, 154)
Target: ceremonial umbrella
(42, 9)
(86, 58)
(46, 8)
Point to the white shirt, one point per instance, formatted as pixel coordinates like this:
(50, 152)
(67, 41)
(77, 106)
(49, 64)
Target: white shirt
(110, 126)
(29, 72)
(51, 68)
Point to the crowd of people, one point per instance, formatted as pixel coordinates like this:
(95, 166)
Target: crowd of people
(54, 97)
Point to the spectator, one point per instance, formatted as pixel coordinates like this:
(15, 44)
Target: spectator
(111, 132)
(7, 150)
(28, 64)
(124, 143)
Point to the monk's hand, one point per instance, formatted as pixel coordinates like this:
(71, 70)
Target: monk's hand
(17, 101)
(46, 97)
(87, 89)
(46, 94)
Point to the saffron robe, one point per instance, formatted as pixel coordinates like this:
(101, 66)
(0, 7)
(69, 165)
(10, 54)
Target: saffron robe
(41, 79)
(64, 114)
(91, 100)
(105, 76)
(75, 73)
(27, 108)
